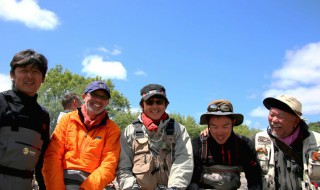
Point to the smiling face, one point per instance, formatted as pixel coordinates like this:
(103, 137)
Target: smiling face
(154, 108)
(27, 79)
(95, 102)
(220, 128)
(282, 123)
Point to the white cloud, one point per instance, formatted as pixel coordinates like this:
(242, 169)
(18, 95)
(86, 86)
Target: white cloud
(301, 67)
(299, 76)
(5, 82)
(140, 73)
(115, 51)
(251, 96)
(259, 112)
(29, 13)
(94, 65)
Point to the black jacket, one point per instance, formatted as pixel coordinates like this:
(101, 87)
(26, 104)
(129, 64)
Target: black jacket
(237, 151)
(26, 113)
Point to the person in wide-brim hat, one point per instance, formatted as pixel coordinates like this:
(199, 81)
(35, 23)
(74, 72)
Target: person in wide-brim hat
(220, 153)
(223, 108)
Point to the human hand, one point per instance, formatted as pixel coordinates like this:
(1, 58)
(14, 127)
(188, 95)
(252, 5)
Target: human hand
(212, 179)
(204, 133)
(135, 187)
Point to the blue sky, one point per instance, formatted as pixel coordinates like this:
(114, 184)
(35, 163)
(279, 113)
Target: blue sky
(200, 50)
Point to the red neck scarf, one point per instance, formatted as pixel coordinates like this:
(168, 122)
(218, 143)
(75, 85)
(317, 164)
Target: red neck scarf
(89, 123)
(152, 125)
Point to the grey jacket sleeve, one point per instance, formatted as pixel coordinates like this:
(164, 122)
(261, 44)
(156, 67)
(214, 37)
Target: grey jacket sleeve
(182, 168)
(125, 176)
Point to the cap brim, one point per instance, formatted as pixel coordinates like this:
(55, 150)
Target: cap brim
(108, 94)
(154, 94)
(238, 117)
(275, 103)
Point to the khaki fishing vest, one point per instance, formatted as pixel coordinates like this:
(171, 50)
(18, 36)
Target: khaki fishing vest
(153, 159)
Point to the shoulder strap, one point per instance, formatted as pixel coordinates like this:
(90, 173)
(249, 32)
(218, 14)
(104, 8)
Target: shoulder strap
(170, 127)
(12, 112)
(204, 148)
(137, 126)
(287, 150)
(13, 115)
(9, 100)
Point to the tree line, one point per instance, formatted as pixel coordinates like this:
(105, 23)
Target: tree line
(59, 82)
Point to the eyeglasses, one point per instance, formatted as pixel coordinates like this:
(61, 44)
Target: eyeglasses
(222, 108)
(102, 97)
(150, 102)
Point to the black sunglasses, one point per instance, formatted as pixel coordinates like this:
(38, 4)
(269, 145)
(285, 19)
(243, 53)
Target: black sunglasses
(222, 108)
(150, 102)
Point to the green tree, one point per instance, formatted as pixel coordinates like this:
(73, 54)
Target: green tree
(189, 122)
(58, 82)
(123, 119)
(314, 126)
(245, 131)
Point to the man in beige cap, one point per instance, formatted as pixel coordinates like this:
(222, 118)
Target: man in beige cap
(289, 153)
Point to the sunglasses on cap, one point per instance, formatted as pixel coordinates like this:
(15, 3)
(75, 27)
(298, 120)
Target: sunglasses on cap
(222, 108)
(150, 102)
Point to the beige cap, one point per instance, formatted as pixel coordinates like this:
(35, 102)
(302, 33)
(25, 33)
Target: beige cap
(285, 103)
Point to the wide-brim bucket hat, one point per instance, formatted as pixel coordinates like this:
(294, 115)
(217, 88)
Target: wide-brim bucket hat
(222, 108)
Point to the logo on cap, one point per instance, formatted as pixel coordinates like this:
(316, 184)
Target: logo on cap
(153, 92)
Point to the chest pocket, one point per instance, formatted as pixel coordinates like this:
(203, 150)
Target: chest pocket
(142, 157)
(314, 163)
(19, 149)
(143, 164)
(263, 149)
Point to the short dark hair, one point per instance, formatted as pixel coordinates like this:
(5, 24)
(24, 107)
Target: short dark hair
(29, 57)
(67, 99)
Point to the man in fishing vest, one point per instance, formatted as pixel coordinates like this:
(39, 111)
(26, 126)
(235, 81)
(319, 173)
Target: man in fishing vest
(156, 151)
(221, 154)
(288, 152)
(24, 124)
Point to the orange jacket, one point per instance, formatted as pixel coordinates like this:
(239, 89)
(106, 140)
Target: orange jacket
(74, 147)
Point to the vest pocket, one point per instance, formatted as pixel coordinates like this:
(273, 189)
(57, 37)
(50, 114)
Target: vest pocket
(143, 164)
(263, 153)
(314, 163)
(21, 148)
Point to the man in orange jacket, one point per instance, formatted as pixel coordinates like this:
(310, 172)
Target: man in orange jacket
(84, 149)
